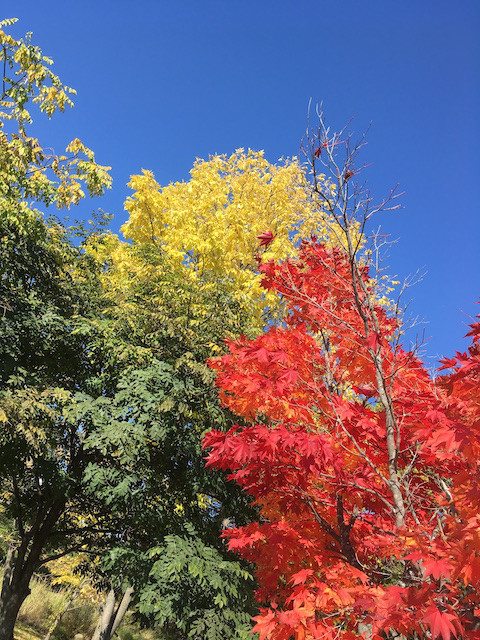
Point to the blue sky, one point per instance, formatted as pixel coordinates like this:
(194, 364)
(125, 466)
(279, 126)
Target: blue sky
(161, 83)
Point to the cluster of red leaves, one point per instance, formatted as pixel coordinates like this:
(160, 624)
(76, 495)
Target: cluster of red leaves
(330, 561)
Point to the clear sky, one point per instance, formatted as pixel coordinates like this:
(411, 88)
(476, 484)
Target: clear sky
(163, 82)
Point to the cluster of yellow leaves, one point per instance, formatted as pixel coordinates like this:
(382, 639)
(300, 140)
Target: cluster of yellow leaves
(208, 226)
(66, 572)
(27, 171)
(30, 77)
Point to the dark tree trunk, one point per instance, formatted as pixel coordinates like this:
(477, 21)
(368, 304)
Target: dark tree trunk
(8, 615)
(12, 597)
(20, 564)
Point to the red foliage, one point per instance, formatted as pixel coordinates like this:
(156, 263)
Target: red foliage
(365, 468)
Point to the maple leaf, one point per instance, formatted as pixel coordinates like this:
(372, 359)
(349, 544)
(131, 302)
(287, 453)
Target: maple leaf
(266, 237)
(415, 556)
(262, 354)
(443, 437)
(447, 363)
(346, 410)
(289, 376)
(279, 356)
(435, 415)
(437, 568)
(373, 341)
(241, 450)
(238, 539)
(301, 576)
(265, 624)
(252, 386)
(474, 332)
(441, 623)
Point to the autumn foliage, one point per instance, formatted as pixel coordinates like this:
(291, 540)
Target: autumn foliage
(211, 227)
(364, 466)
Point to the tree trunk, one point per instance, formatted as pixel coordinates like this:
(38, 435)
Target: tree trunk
(96, 633)
(121, 611)
(20, 564)
(12, 598)
(106, 617)
(8, 616)
(112, 617)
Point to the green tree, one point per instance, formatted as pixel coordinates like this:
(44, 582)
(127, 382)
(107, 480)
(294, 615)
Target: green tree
(104, 393)
(152, 425)
(103, 407)
(41, 290)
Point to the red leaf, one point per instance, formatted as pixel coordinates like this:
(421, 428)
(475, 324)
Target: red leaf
(437, 568)
(447, 363)
(265, 624)
(440, 623)
(368, 392)
(301, 576)
(241, 450)
(475, 331)
(373, 341)
(266, 237)
(289, 377)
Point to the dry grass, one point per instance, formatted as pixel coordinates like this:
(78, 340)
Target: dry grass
(26, 633)
(43, 605)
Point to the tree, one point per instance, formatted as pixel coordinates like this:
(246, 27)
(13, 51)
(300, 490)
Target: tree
(102, 412)
(362, 464)
(153, 424)
(211, 226)
(42, 359)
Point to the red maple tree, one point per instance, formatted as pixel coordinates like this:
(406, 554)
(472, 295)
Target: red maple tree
(365, 468)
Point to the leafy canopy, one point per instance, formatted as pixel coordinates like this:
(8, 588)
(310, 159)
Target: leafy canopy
(364, 468)
(211, 226)
(330, 552)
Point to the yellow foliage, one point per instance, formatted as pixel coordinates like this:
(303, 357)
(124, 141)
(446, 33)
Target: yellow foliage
(30, 173)
(208, 226)
(64, 573)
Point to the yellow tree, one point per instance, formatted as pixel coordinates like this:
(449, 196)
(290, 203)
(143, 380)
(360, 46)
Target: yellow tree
(211, 226)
